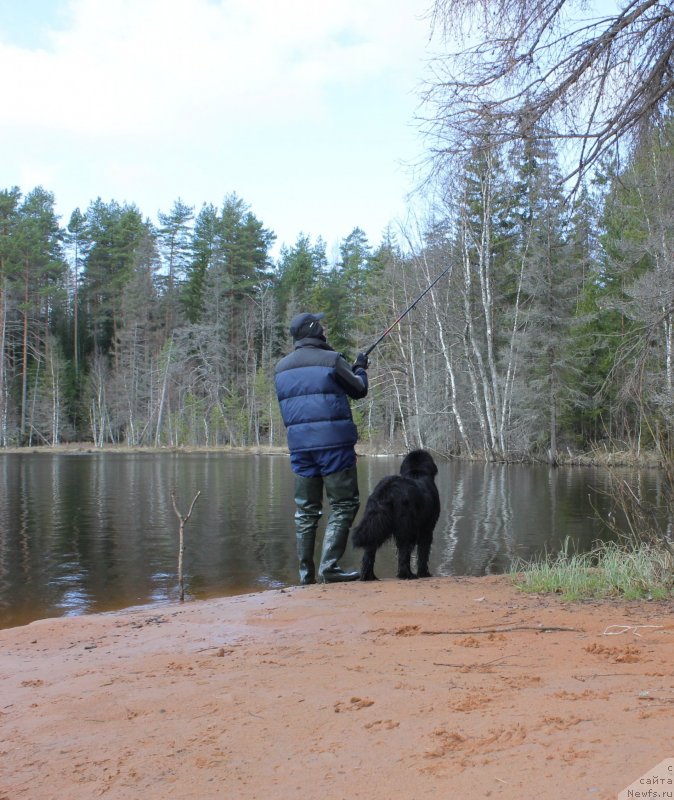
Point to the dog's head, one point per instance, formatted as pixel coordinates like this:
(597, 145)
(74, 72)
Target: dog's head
(419, 461)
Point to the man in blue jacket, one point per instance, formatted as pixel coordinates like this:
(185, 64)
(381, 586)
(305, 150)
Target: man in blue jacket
(314, 384)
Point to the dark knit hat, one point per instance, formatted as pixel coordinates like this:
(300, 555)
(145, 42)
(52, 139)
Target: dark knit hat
(304, 325)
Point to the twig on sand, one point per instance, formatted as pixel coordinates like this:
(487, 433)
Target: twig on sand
(471, 666)
(626, 628)
(537, 628)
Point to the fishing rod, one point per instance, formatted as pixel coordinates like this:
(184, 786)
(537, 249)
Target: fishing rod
(406, 312)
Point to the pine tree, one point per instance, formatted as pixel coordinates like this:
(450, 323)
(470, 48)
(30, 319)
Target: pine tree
(113, 233)
(552, 281)
(298, 271)
(9, 204)
(38, 281)
(76, 239)
(175, 247)
(639, 246)
(203, 248)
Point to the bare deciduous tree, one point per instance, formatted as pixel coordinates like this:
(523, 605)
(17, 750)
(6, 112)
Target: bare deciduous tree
(559, 67)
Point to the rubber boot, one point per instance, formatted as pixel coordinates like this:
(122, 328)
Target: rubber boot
(342, 492)
(308, 501)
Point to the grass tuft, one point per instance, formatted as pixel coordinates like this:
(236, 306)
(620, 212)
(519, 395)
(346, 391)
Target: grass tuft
(632, 572)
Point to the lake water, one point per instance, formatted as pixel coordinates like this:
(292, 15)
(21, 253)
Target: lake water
(86, 532)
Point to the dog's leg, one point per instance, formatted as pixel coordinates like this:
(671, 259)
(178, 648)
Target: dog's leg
(423, 553)
(367, 565)
(404, 556)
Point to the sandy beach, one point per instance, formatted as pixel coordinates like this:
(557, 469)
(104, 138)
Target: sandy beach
(443, 688)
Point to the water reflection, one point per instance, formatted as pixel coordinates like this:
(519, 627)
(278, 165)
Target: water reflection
(499, 513)
(96, 531)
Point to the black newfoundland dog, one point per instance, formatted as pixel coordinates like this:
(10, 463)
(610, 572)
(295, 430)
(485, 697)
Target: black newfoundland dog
(405, 507)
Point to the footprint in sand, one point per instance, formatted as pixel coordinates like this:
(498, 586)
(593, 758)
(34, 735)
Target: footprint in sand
(355, 704)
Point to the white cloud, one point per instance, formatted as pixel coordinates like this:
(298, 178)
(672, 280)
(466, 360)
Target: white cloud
(142, 95)
(125, 62)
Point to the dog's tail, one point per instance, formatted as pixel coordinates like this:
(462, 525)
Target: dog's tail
(378, 520)
(372, 531)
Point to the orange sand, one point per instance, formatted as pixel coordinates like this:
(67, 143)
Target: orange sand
(444, 688)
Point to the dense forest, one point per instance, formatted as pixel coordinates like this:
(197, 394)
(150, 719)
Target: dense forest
(550, 333)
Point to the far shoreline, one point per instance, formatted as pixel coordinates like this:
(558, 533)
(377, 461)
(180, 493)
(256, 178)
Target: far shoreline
(600, 457)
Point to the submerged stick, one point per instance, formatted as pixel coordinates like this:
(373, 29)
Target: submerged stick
(181, 547)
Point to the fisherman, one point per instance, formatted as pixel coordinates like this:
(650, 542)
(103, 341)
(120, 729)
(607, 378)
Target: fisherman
(314, 384)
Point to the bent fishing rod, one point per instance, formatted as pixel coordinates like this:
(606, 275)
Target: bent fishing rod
(406, 312)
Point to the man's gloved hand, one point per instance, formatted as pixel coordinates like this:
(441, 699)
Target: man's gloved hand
(361, 361)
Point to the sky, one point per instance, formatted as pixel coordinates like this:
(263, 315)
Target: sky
(303, 108)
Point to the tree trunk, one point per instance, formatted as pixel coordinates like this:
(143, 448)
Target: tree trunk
(24, 365)
(3, 388)
(552, 453)
(162, 399)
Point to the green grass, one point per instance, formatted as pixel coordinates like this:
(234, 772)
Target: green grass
(632, 572)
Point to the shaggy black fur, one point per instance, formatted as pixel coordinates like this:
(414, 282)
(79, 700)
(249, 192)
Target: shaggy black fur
(405, 507)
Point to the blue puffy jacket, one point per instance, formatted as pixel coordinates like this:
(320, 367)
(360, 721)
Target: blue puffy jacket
(313, 384)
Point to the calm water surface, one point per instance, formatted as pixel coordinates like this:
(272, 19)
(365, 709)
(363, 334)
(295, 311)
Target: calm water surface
(92, 532)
